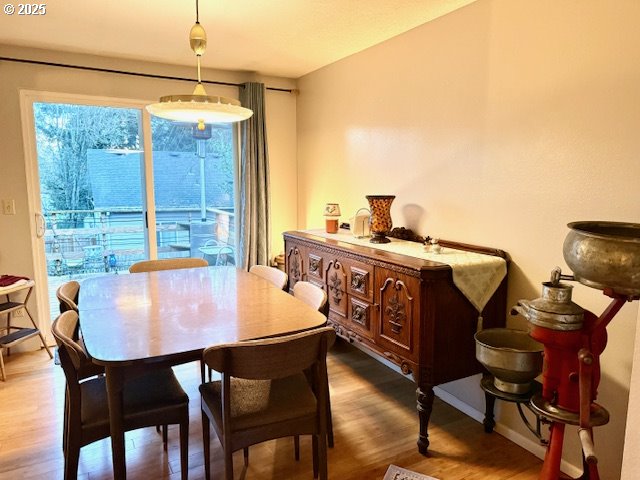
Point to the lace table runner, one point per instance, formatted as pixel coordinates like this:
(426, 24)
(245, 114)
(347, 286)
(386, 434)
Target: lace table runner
(476, 275)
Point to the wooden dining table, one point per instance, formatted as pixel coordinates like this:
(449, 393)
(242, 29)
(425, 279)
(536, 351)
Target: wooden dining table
(135, 322)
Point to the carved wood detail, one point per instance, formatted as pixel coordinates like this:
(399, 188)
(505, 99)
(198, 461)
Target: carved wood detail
(360, 313)
(359, 280)
(315, 265)
(346, 254)
(295, 265)
(395, 310)
(405, 367)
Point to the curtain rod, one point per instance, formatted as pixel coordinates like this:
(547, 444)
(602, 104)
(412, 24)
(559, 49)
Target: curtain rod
(134, 74)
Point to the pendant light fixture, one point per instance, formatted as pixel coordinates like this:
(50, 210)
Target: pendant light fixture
(199, 107)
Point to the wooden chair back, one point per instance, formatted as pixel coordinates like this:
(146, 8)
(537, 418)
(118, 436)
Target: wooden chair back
(64, 328)
(68, 294)
(288, 367)
(167, 264)
(271, 358)
(312, 295)
(275, 276)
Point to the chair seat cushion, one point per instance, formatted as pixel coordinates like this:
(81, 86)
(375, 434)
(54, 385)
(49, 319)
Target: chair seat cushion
(155, 390)
(262, 402)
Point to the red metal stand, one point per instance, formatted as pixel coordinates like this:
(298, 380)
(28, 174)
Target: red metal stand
(571, 375)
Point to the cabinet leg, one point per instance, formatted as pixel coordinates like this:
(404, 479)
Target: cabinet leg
(424, 398)
(489, 420)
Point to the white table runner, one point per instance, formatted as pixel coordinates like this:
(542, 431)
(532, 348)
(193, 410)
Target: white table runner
(476, 275)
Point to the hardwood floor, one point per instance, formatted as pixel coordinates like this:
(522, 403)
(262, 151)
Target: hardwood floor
(375, 424)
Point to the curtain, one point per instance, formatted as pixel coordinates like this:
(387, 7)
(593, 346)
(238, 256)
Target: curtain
(254, 230)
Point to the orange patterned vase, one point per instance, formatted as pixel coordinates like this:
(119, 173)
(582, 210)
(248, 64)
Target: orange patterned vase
(380, 206)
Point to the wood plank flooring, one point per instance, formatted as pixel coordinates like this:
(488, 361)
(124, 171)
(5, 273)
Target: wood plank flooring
(375, 424)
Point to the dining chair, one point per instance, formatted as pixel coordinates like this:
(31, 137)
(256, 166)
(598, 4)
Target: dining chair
(167, 264)
(316, 298)
(272, 274)
(68, 294)
(151, 399)
(217, 253)
(264, 394)
(312, 295)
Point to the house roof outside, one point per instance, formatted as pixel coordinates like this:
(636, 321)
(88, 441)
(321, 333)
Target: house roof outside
(115, 180)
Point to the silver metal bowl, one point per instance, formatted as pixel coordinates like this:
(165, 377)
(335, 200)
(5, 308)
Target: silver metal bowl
(605, 255)
(512, 356)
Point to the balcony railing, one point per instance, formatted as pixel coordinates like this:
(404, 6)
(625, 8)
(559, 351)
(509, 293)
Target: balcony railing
(79, 242)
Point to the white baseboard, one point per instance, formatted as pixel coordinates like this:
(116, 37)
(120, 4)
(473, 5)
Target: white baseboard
(517, 438)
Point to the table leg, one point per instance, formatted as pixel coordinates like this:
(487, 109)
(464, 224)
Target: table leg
(424, 397)
(489, 420)
(115, 384)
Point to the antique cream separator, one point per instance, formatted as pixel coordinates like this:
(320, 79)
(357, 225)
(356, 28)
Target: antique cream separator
(602, 255)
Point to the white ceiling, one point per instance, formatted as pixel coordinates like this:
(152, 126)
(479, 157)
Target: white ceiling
(287, 38)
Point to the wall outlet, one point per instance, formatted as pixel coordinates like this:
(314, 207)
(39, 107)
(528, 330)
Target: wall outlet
(18, 313)
(9, 207)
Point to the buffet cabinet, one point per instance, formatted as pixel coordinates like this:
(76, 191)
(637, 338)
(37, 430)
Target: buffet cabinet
(402, 308)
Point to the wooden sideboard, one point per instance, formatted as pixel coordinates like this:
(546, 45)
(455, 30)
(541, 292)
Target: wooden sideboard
(404, 308)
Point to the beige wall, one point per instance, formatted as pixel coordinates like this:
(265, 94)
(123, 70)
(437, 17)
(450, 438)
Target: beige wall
(631, 459)
(497, 125)
(15, 247)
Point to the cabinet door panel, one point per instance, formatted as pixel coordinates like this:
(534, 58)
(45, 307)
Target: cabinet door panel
(295, 263)
(399, 316)
(316, 267)
(336, 278)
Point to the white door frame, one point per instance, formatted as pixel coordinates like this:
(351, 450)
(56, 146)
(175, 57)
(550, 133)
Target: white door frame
(27, 99)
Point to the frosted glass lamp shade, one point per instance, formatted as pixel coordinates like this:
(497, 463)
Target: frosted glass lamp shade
(200, 109)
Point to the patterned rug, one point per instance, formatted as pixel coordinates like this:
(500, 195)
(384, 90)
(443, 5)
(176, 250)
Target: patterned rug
(396, 473)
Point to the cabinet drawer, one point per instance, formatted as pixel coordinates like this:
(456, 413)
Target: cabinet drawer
(360, 280)
(360, 316)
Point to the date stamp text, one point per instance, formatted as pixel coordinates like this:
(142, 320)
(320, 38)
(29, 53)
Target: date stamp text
(25, 9)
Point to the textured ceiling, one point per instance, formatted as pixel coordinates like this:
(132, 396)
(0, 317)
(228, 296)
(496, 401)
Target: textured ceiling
(287, 38)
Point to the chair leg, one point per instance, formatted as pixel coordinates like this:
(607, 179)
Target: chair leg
(296, 447)
(228, 463)
(314, 448)
(206, 442)
(64, 420)
(164, 437)
(322, 457)
(71, 459)
(4, 379)
(329, 422)
(245, 451)
(184, 449)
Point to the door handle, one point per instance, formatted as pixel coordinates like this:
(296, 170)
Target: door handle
(40, 225)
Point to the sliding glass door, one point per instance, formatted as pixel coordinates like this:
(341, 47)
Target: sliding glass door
(193, 173)
(115, 186)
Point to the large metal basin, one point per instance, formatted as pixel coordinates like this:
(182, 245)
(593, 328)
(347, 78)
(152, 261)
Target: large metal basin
(512, 356)
(605, 255)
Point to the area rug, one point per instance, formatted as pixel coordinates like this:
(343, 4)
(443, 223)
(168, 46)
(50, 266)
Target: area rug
(397, 473)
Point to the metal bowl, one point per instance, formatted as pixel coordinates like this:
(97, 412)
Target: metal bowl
(512, 356)
(605, 255)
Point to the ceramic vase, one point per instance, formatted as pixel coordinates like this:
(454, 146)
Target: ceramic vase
(380, 206)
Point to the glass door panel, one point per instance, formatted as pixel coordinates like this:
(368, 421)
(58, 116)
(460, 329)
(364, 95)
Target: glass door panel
(194, 175)
(92, 191)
